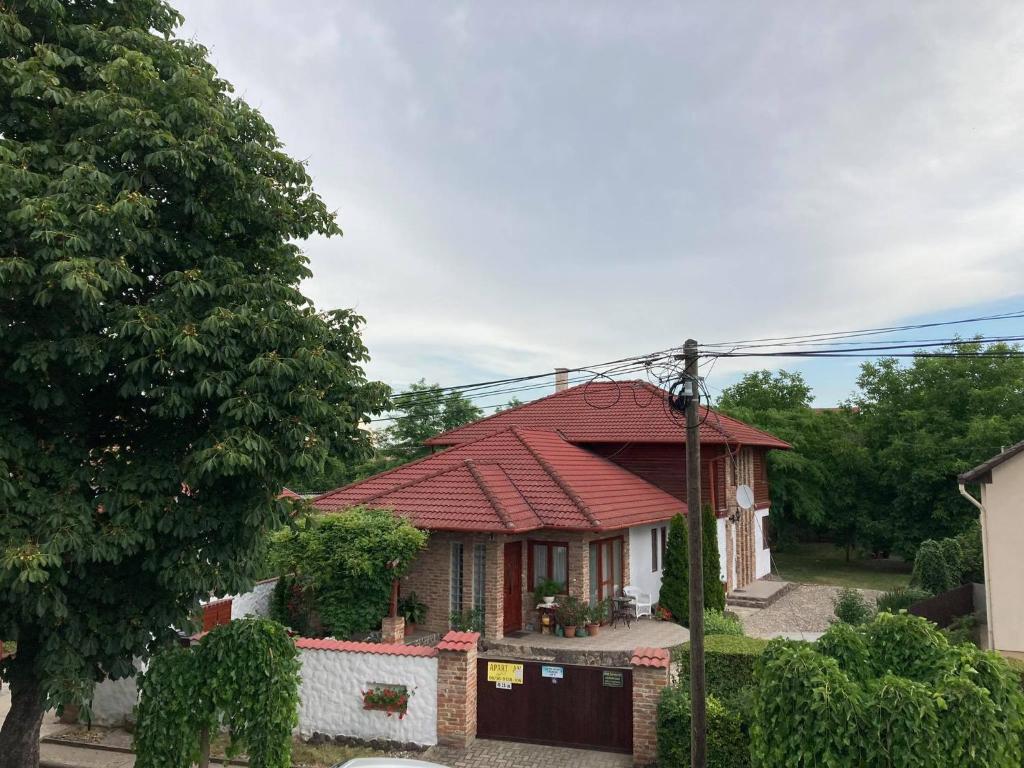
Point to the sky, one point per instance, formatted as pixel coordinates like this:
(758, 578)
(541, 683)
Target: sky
(531, 185)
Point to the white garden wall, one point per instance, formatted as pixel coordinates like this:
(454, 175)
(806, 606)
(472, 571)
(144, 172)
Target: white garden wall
(254, 603)
(335, 674)
(113, 701)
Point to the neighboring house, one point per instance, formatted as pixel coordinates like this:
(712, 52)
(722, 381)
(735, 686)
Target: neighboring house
(577, 486)
(1002, 521)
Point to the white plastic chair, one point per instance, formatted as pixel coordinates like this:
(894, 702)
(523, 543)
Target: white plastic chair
(642, 603)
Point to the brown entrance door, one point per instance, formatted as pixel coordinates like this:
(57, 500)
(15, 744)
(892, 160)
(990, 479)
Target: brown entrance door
(513, 587)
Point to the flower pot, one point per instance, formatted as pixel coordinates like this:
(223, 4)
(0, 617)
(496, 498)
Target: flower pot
(581, 632)
(409, 629)
(549, 600)
(592, 629)
(570, 631)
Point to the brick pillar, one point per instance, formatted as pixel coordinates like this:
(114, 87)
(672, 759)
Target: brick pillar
(650, 676)
(392, 629)
(456, 689)
(494, 590)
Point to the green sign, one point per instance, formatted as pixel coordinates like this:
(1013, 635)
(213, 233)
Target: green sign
(611, 679)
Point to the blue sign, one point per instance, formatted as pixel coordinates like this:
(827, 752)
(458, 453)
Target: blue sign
(554, 672)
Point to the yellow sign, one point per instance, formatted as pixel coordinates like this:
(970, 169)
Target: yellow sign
(500, 672)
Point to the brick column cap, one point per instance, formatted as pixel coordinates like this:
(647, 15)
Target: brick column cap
(651, 657)
(459, 641)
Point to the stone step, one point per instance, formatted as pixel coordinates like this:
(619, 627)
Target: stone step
(759, 594)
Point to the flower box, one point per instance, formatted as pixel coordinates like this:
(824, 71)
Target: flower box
(390, 699)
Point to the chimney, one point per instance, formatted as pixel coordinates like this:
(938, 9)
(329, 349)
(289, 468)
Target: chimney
(561, 379)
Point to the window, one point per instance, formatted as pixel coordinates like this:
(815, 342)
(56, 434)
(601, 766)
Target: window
(456, 578)
(479, 575)
(548, 560)
(605, 569)
(664, 544)
(766, 532)
(655, 550)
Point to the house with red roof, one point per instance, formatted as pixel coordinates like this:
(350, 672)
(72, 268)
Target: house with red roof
(577, 487)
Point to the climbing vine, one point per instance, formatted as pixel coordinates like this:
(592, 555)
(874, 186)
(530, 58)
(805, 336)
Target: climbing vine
(243, 675)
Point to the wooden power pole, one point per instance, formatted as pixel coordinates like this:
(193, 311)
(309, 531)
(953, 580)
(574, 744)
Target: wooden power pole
(698, 710)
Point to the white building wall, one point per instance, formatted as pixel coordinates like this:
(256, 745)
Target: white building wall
(114, 701)
(1003, 499)
(331, 696)
(763, 564)
(640, 562)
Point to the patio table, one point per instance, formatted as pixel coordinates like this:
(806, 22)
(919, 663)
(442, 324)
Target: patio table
(623, 609)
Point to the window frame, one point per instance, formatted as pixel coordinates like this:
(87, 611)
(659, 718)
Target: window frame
(479, 576)
(530, 544)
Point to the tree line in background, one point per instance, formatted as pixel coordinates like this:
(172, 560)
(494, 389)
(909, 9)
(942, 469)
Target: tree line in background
(879, 473)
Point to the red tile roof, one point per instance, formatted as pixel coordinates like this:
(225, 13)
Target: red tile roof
(458, 641)
(385, 649)
(650, 657)
(511, 481)
(611, 412)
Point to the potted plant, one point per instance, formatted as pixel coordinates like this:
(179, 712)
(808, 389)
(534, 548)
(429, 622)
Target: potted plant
(547, 590)
(595, 614)
(413, 610)
(567, 615)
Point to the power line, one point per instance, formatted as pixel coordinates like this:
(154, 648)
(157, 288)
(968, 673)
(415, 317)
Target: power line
(881, 348)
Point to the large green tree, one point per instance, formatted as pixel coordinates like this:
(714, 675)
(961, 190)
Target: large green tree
(161, 375)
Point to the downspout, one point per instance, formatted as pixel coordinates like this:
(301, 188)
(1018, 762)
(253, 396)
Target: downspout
(989, 618)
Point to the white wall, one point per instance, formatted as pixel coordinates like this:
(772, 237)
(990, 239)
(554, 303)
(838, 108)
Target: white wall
(763, 565)
(1003, 499)
(113, 701)
(640, 573)
(331, 696)
(254, 603)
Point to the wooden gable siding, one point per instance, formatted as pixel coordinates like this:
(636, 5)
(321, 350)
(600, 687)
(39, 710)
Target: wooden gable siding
(761, 494)
(665, 466)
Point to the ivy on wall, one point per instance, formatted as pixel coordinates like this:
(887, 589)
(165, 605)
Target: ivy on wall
(243, 675)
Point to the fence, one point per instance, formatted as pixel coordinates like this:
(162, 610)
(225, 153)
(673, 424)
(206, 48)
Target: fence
(945, 607)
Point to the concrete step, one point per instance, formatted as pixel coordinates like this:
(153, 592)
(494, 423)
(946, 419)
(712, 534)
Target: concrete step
(758, 594)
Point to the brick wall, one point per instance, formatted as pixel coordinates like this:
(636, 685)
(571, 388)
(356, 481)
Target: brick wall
(456, 689)
(650, 676)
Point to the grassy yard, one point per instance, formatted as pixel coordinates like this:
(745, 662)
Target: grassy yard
(826, 564)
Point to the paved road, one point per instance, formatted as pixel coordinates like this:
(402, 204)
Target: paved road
(485, 753)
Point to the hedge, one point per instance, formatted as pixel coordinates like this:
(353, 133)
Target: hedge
(891, 693)
(728, 745)
(728, 664)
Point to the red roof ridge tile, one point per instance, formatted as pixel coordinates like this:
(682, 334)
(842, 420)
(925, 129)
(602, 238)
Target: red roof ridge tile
(458, 641)
(651, 657)
(351, 646)
(553, 474)
(499, 510)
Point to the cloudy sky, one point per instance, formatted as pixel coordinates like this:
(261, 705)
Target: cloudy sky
(527, 185)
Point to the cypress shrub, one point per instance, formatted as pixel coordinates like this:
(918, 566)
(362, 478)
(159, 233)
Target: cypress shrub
(714, 592)
(675, 578)
(937, 566)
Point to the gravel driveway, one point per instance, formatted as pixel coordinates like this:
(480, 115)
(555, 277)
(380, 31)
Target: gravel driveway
(803, 613)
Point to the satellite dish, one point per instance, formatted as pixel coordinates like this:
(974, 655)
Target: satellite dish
(744, 496)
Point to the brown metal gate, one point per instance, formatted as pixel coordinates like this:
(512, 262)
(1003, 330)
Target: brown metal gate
(560, 704)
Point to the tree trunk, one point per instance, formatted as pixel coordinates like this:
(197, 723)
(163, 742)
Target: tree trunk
(204, 748)
(19, 737)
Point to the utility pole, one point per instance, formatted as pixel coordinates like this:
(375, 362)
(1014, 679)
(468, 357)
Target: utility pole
(698, 709)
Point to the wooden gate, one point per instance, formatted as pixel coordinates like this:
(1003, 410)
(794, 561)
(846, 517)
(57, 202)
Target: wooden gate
(561, 704)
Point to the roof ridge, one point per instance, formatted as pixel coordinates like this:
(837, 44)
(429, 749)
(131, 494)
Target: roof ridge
(489, 494)
(553, 474)
(414, 481)
(505, 412)
(420, 460)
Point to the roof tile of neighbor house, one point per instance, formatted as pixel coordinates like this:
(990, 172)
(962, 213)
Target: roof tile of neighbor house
(512, 481)
(385, 649)
(983, 472)
(611, 412)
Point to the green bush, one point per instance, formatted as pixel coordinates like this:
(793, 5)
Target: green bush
(961, 630)
(890, 693)
(714, 590)
(471, 620)
(675, 580)
(972, 554)
(728, 664)
(851, 607)
(728, 745)
(719, 623)
(900, 599)
(937, 566)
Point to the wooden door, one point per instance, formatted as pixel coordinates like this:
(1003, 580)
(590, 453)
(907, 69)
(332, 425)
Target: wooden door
(513, 587)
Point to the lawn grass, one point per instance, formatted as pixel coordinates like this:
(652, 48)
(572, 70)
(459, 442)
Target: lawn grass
(826, 564)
